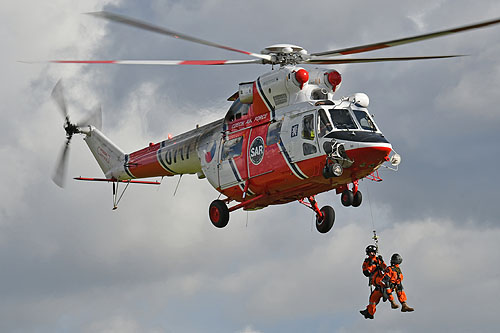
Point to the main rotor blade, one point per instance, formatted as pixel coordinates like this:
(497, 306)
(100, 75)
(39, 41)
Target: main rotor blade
(61, 166)
(95, 119)
(150, 27)
(325, 61)
(58, 96)
(160, 62)
(396, 42)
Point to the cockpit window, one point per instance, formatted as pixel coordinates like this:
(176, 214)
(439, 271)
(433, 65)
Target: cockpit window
(365, 120)
(342, 119)
(324, 123)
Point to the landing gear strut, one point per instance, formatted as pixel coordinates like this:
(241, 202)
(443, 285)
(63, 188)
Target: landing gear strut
(325, 217)
(219, 212)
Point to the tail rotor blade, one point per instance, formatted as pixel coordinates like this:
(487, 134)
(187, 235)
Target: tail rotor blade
(60, 172)
(58, 96)
(95, 119)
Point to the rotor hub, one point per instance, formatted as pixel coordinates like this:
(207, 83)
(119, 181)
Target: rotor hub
(286, 54)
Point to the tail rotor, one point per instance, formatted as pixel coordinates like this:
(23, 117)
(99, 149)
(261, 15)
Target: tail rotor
(95, 119)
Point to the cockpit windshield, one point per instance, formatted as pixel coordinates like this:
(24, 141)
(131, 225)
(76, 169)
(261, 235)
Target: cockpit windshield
(364, 120)
(324, 123)
(342, 119)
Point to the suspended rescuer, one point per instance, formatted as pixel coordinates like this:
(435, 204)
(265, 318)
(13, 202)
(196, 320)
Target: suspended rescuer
(390, 280)
(374, 269)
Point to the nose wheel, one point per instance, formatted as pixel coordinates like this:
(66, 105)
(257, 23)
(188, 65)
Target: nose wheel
(351, 198)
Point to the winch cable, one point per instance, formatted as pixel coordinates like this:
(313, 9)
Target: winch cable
(375, 236)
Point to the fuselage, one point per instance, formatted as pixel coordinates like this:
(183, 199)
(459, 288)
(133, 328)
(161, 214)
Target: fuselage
(271, 152)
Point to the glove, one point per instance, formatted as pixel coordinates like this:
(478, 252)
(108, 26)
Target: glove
(380, 257)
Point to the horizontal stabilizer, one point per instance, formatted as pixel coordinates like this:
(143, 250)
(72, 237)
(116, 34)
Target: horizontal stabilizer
(112, 180)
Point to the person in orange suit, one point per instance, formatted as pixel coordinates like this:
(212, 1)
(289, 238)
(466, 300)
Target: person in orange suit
(392, 279)
(373, 268)
(372, 264)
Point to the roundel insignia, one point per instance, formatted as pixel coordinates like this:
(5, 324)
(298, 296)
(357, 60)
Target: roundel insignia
(257, 150)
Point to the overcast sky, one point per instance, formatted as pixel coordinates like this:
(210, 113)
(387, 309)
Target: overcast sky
(68, 263)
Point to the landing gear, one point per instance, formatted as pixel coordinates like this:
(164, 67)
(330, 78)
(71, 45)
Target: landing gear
(325, 223)
(218, 213)
(325, 217)
(350, 198)
(358, 198)
(347, 198)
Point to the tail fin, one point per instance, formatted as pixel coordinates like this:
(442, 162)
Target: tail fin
(110, 157)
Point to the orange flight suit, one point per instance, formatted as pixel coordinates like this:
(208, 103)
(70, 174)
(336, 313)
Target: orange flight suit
(371, 265)
(393, 279)
(377, 293)
(374, 269)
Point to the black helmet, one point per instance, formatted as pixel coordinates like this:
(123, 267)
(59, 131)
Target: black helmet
(396, 259)
(371, 248)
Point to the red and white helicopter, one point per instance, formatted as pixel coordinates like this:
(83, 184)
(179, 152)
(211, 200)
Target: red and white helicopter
(284, 138)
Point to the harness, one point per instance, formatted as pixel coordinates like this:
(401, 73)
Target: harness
(397, 286)
(378, 269)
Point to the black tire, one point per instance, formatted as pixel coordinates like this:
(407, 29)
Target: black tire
(358, 199)
(218, 213)
(347, 198)
(323, 225)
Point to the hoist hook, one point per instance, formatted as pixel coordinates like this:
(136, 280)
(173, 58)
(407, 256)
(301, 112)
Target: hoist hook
(375, 238)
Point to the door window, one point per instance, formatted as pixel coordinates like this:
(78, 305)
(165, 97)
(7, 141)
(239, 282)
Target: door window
(273, 133)
(308, 127)
(308, 148)
(232, 148)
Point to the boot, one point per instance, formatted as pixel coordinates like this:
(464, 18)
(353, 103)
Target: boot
(366, 314)
(394, 305)
(406, 308)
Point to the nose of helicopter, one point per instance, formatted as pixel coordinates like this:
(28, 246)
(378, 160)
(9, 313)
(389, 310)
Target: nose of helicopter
(369, 154)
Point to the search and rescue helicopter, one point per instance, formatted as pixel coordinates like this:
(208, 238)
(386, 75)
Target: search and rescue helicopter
(284, 138)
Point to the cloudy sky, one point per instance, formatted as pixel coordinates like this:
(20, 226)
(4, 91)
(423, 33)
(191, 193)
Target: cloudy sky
(68, 263)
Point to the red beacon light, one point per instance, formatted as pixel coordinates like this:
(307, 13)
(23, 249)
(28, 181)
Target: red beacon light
(334, 78)
(302, 76)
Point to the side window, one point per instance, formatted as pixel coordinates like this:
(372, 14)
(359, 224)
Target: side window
(308, 148)
(324, 124)
(237, 110)
(308, 127)
(273, 133)
(232, 148)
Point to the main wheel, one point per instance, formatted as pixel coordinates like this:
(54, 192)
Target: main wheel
(218, 213)
(358, 198)
(347, 198)
(325, 223)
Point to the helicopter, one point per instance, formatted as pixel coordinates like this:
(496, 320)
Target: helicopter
(284, 138)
